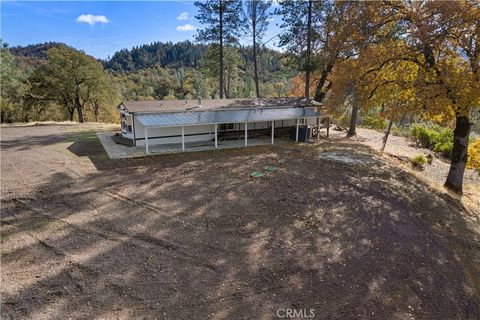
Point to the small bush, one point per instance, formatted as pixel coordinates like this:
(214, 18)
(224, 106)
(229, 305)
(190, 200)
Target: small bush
(437, 139)
(473, 161)
(374, 122)
(423, 136)
(419, 161)
(444, 142)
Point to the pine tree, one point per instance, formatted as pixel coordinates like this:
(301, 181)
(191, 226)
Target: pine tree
(222, 22)
(256, 22)
(299, 21)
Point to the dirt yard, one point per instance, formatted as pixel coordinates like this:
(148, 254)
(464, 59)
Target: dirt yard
(337, 229)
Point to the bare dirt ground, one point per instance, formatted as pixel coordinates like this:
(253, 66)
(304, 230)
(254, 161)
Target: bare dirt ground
(434, 174)
(191, 236)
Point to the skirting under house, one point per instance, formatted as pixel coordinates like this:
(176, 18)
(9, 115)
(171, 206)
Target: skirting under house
(166, 122)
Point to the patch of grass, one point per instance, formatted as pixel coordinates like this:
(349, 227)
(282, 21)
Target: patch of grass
(419, 161)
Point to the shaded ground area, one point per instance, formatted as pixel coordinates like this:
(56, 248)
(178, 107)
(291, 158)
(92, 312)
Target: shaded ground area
(406, 149)
(192, 236)
(434, 174)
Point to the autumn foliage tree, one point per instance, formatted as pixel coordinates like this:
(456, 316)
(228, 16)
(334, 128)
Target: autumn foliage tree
(443, 42)
(419, 58)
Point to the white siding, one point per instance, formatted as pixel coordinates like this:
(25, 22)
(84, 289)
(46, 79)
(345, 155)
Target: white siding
(125, 134)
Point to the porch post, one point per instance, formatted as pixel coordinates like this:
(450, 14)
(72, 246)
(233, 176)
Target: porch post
(296, 133)
(183, 139)
(147, 152)
(246, 133)
(216, 139)
(273, 130)
(318, 128)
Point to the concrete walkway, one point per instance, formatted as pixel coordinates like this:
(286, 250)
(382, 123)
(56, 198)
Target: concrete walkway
(117, 151)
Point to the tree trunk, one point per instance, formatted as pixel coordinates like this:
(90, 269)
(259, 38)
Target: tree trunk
(461, 134)
(96, 110)
(319, 92)
(71, 111)
(254, 32)
(80, 114)
(227, 86)
(79, 107)
(385, 137)
(352, 130)
(221, 49)
(309, 42)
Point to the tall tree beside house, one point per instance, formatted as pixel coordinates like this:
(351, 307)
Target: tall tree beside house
(300, 19)
(256, 21)
(71, 79)
(222, 22)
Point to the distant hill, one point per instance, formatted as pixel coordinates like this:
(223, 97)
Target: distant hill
(186, 54)
(181, 54)
(38, 51)
(174, 55)
(32, 55)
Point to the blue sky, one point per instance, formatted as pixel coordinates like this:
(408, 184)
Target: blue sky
(100, 28)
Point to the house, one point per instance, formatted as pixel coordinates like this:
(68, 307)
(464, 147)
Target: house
(167, 122)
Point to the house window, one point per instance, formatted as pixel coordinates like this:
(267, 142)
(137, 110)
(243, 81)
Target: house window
(128, 123)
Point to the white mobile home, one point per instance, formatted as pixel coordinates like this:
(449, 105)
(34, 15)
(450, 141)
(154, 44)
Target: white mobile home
(167, 122)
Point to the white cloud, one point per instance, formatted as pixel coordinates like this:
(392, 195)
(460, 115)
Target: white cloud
(186, 28)
(92, 19)
(183, 16)
(270, 19)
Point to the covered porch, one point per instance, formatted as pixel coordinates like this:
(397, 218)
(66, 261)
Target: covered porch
(118, 151)
(214, 119)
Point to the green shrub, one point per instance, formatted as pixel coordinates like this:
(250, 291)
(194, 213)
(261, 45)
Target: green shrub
(401, 132)
(437, 138)
(374, 122)
(423, 136)
(419, 161)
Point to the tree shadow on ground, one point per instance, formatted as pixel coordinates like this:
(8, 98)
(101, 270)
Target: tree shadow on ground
(194, 237)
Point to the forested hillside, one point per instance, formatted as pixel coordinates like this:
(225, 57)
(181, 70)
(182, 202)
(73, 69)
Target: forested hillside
(186, 70)
(182, 70)
(38, 51)
(181, 54)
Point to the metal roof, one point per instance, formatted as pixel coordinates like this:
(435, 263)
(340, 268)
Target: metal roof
(224, 116)
(212, 104)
